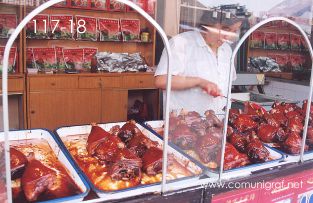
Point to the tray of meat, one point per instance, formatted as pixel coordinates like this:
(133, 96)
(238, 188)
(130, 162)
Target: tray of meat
(280, 128)
(124, 159)
(41, 171)
(201, 139)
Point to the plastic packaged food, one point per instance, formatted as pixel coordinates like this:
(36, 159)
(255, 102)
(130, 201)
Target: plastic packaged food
(270, 40)
(257, 39)
(283, 41)
(89, 53)
(295, 42)
(116, 6)
(130, 29)
(109, 29)
(38, 27)
(44, 59)
(80, 3)
(99, 4)
(60, 65)
(73, 58)
(86, 28)
(61, 26)
(8, 23)
(12, 59)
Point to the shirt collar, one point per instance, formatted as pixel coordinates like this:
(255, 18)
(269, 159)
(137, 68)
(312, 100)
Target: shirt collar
(200, 40)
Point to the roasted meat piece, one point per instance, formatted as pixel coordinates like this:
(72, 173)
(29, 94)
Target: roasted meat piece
(234, 159)
(18, 162)
(212, 120)
(128, 131)
(140, 143)
(282, 107)
(251, 108)
(152, 161)
(293, 143)
(239, 141)
(126, 166)
(310, 135)
(268, 133)
(37, 179)
(184, 137)
(256, 151)
(295, 124)
(208, 148)
(305, 105)
(102, 144)
(233, 114)
(191, 117)
(245, 123)
(276, 119)
(230, 130)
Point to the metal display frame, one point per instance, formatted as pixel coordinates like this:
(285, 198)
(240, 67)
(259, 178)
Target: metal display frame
(164, 188)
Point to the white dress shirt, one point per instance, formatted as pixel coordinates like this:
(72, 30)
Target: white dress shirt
(193, 57)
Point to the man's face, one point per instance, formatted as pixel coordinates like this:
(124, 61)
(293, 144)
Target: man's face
(220, 33)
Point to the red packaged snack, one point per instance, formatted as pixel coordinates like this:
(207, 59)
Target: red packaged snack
(61, 26)
(304, 46)
(141, 3)
(8, 23)
(296, 61)
(109, 29)
(86, 28)
(38, 27)
(29, 58)
(283, 41)
(270, 40)
(73, 58)
(89, 53)
(62, 4)
(257, 39)
(295, 41)
(60, 63)
(115, 6)
(282, 60)
(130, 29)
(151, 6)
(80, 3)
(44, 59)
(12, 59)
(99, 4)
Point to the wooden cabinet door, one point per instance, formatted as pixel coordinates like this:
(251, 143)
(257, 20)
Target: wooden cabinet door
(53, 109)
(114, 105)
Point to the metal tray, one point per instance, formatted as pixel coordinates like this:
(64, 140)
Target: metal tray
(59, 153)
(141, 189)
(236, 172)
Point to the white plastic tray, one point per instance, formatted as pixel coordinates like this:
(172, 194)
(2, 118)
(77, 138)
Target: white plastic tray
(59, 153)
(141, 189)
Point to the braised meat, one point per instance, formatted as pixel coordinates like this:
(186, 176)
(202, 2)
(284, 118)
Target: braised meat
(244, 123)
(212, 120)
(126, 166)
(256, 151)
(199, 127)
(184, 137)
(234, 159)
(295, 124)
(37, 179)
(239, 141)
(140, 143)
(251, 108)
(152, 161)
(102, 144)
(207, 147)
(18, 162)
(310, 135)
(293, 143)
(276, 119)
(305, 105)
(268, 133)
(192, 117)
(128, 131)
(282, 107)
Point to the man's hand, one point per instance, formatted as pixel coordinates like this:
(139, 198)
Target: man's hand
(210, 88)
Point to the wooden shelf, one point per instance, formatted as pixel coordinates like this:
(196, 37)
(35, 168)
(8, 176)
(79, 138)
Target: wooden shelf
(75, 40)
(279, 50)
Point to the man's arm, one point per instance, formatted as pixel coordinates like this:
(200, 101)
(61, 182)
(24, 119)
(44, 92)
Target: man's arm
(185, 82)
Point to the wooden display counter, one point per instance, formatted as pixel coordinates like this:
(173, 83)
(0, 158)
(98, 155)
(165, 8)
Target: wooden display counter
(63, 99)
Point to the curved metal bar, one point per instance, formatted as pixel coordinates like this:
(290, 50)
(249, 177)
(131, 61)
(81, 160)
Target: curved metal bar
(228, 105)
(8, 46)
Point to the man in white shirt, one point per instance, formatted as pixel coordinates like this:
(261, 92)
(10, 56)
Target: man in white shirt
(200, 66)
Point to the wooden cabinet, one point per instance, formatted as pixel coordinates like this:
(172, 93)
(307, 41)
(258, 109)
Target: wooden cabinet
(65, 100)
(52, 109)
(114, 105)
